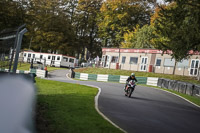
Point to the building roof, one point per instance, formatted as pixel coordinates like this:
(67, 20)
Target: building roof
(47, 53)
(148, 51)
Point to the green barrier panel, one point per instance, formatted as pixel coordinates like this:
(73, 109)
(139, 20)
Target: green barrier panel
(21, 71)
(33, 71)
(142, 80)
(77, 75)
(92, 77)
(2, 69)
(113, 78)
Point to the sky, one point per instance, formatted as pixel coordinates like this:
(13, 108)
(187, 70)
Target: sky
(160, 1)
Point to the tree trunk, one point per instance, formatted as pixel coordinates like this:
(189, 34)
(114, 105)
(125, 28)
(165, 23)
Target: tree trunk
(174, 67)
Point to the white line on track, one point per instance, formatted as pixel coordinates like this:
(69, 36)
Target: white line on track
(178, 96)
(96, 104)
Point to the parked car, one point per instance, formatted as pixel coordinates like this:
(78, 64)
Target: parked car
(85, 64)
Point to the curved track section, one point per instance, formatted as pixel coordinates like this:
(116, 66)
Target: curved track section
(149, 110)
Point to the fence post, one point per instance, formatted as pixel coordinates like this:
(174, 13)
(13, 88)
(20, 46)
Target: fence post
(18, 48)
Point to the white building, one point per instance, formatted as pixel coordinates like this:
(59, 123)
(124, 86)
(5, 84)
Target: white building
(57, 60)
(149, 60)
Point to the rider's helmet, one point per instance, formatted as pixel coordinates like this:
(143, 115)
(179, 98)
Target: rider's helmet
(132, 74)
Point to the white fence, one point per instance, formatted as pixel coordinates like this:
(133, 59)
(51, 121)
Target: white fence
(84, 76)
(123, 79)
(152, 81)
(102, 78)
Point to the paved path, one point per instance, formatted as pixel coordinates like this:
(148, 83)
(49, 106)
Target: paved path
(148, 110)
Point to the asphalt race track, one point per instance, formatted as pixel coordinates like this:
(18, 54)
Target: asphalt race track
(149, 110)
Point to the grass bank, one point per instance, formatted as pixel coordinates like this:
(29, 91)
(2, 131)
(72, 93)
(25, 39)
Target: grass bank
(26, 66)
(138, 74)
(68, 108)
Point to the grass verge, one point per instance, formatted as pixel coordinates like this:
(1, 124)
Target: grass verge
(68, 108)
(192, 99)
(26, 66)
(139, 74)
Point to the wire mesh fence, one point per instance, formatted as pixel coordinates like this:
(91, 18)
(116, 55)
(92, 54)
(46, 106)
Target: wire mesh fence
(10, 45)
(6, 47)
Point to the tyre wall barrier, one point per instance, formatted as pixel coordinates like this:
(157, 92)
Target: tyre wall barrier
(196, 91)
(92, 77)
(110, 78)
(123, 79)
(17, 71)
(179, 86)
(84, 76)
(190, 89)
(172, 84)
(165, 83)
(101, 77)
(39, 73)
(160, 81)
(182, 87)
(113, 78)
(142, 80)
(77, 75)
(152, 81)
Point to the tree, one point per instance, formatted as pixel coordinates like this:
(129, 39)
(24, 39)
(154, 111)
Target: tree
(178, 28)
(12, 14)
(119, 16)
(139, 38)
(49, 27)
(86, 27)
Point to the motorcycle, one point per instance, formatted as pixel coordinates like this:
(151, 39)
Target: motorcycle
(130, 88)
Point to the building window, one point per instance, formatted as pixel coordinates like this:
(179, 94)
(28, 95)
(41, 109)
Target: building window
(114, 59)
(103, 59)
(24, 54)
(49, 57)
(169, 62)
(71, 60)
(58, 58)
(41, 56)
(158, 62)
(133, 60)
(29, 55)
(183, 63)
(123, 59)
(53, 57)
(65, 59)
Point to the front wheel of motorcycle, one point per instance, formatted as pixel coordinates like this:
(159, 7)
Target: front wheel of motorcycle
(130, 90)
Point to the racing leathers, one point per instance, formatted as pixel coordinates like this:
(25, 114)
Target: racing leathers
(130, 78)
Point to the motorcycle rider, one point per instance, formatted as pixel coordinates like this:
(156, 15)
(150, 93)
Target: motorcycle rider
(132, 77)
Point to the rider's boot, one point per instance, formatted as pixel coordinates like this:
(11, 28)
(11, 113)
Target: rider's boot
(125, 88)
